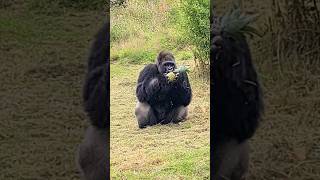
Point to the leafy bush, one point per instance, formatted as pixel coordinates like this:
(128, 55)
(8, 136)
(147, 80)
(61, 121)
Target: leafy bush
(193, 22)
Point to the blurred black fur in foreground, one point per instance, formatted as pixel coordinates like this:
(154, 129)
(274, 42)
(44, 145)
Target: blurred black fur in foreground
(236, 102)
(93, 154)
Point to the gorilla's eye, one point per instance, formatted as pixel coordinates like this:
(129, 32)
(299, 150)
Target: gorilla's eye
(168, 64)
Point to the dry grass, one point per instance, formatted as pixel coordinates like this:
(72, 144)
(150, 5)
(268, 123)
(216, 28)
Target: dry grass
(162, 151)
(43, 61)
(286, 146)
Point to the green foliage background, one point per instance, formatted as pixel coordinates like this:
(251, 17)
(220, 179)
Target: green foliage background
(193, 22)
(140, 29)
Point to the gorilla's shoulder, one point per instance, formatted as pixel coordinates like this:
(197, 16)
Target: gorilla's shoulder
(99, 48)
(150, 66)
(150, 69)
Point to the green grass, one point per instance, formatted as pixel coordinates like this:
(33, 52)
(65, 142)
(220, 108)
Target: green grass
(136, 56)
(181, 165)
(190, 164)
(141, 29)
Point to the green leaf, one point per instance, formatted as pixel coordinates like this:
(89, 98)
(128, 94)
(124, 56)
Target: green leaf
(237, 24)
(182, 69)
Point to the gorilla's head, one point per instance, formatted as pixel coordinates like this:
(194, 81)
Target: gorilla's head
(228, 49)
(230, 52)
(165, 62)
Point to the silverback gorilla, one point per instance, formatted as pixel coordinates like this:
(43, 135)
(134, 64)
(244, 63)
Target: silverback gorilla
(93, 155)
(236, 103)
(160, 100)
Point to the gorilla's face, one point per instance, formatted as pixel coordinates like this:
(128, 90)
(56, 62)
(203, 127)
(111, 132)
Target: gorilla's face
(168, 66)
(166, 63)
(226, 50)
(230, 56)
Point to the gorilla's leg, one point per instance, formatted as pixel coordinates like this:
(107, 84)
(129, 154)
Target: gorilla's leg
(182, 113)
(176, 115)
(92, 154)
(231, 160)
(145, 115)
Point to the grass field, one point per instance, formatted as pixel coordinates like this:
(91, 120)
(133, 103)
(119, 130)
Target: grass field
(139, 31)
(43, 61)
(162, 151)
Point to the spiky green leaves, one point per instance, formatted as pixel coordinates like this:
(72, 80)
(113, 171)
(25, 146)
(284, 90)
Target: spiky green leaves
(236, 24)
(172, 76)
(182, 69)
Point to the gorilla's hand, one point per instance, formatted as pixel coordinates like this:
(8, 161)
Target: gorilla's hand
(180, 79)
(182, 90)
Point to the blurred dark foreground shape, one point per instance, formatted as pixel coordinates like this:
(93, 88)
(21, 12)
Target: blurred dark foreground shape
(93, 156)
(236, 102)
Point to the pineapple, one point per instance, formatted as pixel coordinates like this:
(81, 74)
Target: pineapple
(172, 76)
(182, 69)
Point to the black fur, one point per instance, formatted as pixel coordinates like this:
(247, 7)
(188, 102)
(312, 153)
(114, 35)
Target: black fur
(236, 94)
(236, 103)
(154, 89)
(95, 88)
(93, 153)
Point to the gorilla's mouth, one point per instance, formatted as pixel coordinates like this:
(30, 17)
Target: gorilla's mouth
(170, 68)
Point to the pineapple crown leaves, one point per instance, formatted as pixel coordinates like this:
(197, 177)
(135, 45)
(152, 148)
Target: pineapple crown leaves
(182, 69)
(236, 24)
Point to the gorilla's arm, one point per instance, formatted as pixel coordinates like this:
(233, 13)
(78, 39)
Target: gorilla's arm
(149, 83)
(95, 88)
(182, 91)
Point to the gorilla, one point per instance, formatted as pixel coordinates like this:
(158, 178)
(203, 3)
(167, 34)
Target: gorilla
(236, 98)
(160, 100)
(93, 154)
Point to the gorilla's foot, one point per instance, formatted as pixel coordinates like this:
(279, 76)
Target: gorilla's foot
(145, 115)
(231, 160)
(181, 114)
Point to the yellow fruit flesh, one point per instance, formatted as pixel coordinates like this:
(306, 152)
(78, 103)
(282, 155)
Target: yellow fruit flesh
(171, 76)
